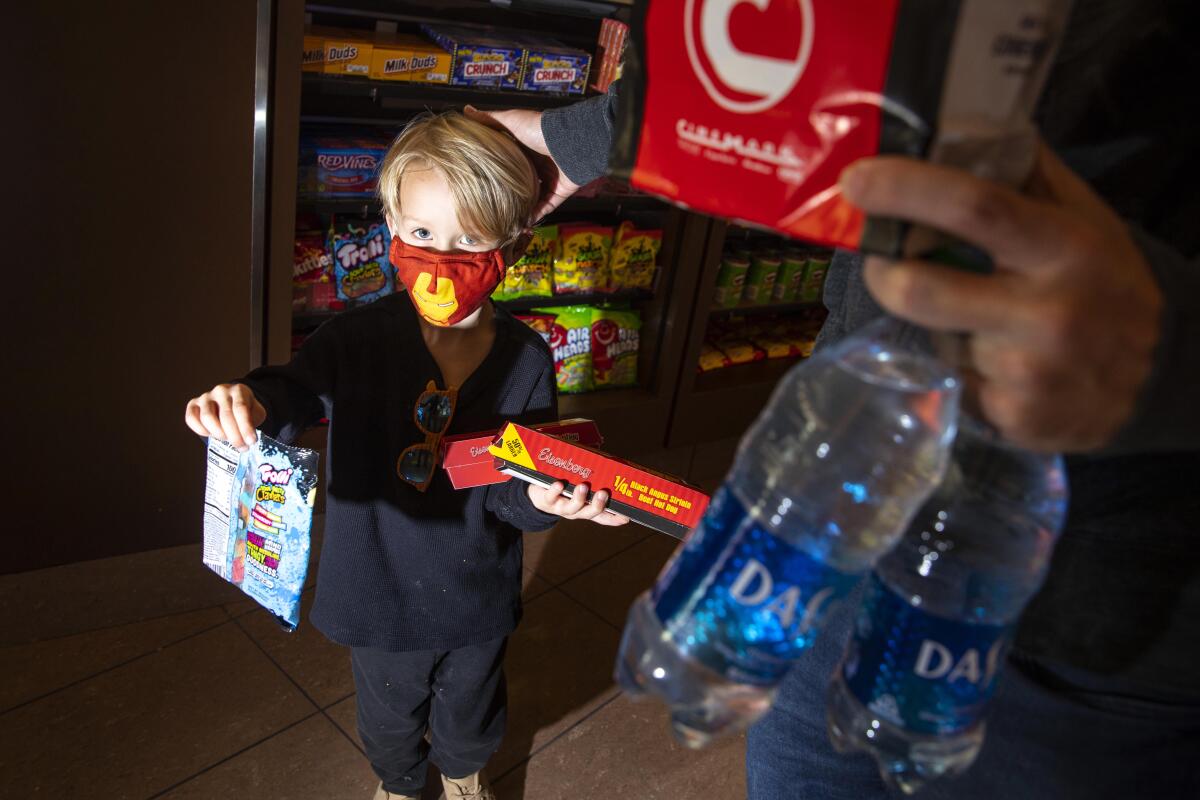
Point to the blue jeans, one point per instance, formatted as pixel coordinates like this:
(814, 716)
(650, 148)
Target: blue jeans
(1054, 734)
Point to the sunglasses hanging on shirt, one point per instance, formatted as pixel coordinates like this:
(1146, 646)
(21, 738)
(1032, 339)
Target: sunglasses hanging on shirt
(432, 414)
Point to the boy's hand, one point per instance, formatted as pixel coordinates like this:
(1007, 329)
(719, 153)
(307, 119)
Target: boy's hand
(229, 411)
(551, 501)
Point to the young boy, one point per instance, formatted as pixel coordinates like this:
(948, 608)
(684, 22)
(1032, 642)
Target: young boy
(422, 582)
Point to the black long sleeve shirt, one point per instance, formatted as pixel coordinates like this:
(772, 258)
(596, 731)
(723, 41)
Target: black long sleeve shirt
(401, 569)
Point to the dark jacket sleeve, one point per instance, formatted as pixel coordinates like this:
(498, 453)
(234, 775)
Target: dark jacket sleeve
(579, 136)
(298, 394)
(510, 500)
(1166, 416)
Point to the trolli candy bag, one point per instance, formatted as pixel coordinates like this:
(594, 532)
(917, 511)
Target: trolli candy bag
(258, 508)
(360, 259)
(752, 110)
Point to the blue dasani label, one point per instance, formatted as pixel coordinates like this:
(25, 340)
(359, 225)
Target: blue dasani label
(924, 673)
(739, 600)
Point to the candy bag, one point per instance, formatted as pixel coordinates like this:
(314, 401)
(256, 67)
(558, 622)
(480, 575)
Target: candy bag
(571, 344)
(582, 265)
(362, 269)
(754, 116)
(711, 358)
(311, 267)
(531, 275)
(633, 257)
(258, 508)
(542, 323)
(615, 347)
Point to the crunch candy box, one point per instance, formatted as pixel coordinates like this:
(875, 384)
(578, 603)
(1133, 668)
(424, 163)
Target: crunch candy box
(665, 504)
(258, 508)
(551, 66)
(480, 57)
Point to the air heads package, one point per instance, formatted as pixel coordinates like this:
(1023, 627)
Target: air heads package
(751, 111)
(258, 509)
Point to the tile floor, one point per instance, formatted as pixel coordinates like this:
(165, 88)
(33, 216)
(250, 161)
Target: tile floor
(145, 676)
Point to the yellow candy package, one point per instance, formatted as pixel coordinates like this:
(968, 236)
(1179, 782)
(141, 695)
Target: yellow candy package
(582, 264)
(633, 259)
(531, 275)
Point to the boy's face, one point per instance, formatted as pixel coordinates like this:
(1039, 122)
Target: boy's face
(429, 220)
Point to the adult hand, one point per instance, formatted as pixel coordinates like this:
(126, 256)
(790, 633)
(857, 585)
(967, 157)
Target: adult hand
(229, 411)
(551, 501)
(525, 125)
(1062, 335)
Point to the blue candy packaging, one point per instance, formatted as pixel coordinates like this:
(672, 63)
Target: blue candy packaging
(258, 509)
(362, 270)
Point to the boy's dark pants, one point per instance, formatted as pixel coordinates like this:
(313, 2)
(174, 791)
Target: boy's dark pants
(460, 694)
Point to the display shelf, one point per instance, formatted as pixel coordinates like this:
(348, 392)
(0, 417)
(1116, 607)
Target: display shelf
(766, 372)
(307, 320)
(777, 308)
(607, 204)
(721, 403)
(633, 420)
(583, 299)
(348, 98)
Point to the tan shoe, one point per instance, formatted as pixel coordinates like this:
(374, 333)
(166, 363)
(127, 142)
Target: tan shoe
(472, 787)
(384, 794)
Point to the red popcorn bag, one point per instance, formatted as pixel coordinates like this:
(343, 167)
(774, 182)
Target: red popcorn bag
(750, 110)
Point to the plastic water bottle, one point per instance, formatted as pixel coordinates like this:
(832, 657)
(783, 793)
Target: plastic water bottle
(932, 633)
(825, 481)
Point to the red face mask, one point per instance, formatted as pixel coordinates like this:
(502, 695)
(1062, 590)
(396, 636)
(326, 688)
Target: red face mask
(446, 288)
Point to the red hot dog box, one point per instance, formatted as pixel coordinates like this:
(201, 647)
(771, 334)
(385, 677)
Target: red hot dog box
(751, 110)
(468, 462)
(666, 504)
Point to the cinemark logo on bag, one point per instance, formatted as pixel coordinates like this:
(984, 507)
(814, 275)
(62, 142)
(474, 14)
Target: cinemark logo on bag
(748, 54)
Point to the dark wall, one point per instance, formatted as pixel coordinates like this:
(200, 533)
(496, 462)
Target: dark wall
(127, 144)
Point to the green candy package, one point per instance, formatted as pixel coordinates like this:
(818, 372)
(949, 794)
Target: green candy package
(532, 275)
(571, 344)
(581, 266)
(615, 347)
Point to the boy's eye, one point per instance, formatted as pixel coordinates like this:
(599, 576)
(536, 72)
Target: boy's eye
(422, 233)
(469, 240)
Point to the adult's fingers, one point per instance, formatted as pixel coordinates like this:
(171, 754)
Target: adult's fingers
(943, 298)
(1020, 233)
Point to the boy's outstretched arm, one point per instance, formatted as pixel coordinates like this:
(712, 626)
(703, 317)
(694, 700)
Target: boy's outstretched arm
(281, 400)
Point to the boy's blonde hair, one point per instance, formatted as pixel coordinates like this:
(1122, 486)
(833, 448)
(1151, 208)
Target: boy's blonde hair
(493, 183)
